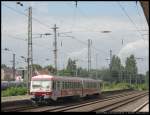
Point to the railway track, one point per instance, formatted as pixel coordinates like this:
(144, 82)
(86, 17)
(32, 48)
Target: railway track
(141, 107)
(113, 107)
(75, 106)
(25, 105)
(65, 106)
(100, 104)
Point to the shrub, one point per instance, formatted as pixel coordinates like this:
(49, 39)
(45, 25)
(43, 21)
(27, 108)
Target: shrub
(14, 91)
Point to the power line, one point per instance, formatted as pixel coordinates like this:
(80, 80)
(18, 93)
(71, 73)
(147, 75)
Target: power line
(123, 9)
(139, 12)
(33, 18)
(13, 37)
(72, 37)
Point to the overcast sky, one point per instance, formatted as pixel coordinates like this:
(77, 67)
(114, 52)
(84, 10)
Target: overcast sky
(86, 21)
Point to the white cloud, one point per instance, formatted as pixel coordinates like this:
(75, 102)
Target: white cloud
(82, 54)
(139, 48)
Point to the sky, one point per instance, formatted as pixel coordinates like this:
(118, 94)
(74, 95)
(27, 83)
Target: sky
(125, 21)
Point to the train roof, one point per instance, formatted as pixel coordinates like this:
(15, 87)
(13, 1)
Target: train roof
(64, 77)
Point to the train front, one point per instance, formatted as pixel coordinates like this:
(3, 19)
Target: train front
(41, 88)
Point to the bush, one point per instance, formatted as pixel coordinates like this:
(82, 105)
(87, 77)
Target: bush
(14, 91)
(117, 86)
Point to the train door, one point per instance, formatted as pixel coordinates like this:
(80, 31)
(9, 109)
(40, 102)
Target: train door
(56, 89)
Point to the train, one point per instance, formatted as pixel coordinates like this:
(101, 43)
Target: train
(8, 84)
(47, 88)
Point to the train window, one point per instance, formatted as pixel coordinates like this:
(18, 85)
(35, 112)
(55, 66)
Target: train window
(54, 85)
(75, 84)
(58, 85)
(78, 85)
(71, 84)
(68, 85)
(63, 85)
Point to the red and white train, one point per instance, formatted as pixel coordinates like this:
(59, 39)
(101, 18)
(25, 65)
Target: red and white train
(46, 87)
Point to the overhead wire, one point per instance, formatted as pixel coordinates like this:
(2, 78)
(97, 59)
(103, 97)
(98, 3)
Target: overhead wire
(13, 37)
(130, 19)
(138, 12)
(17, 11)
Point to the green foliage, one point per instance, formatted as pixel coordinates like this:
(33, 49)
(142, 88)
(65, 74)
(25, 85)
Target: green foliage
(3, 66)
(36, 67)
(104, 74)
(115, 86)
(147, 78)
(140, 86)
(50, 68)
(118, 86)
(131, 68)
(82, 72)
(115, 67)
(64, 72)
(14, 91)
(71, 67)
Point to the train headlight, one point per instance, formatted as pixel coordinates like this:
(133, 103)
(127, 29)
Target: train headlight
(32, 93)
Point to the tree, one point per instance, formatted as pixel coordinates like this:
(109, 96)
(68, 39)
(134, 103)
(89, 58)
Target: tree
(3, 66)
(36, 67)
(71, 66)
(82, 72)
(115, 68)
(131, 69)
(50, 68)
(104, 74)
(147, 78)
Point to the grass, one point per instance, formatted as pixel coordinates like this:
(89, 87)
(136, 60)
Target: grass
(119, 86)
(14, 91)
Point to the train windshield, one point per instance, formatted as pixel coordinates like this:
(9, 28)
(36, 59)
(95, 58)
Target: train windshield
(42, 85)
